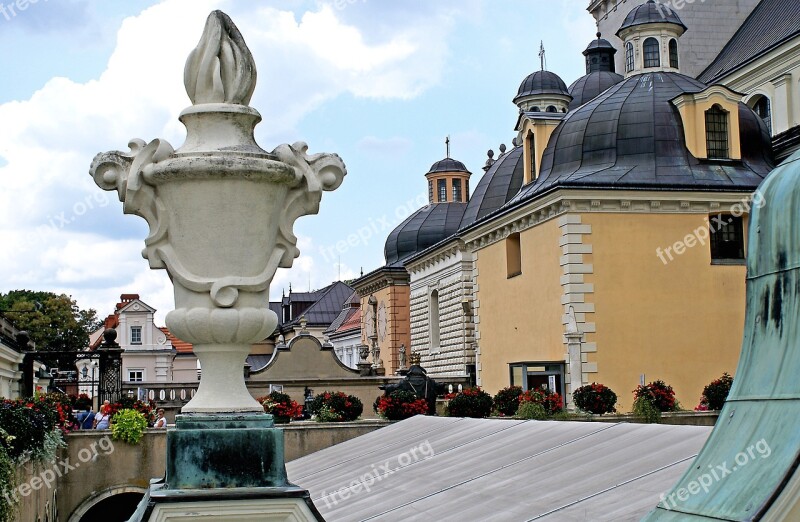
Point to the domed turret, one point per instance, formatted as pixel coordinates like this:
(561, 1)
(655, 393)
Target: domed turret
(600, 73)
(650, 36)
(543, 91)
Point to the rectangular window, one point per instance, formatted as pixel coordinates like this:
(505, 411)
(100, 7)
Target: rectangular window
(136, 335)
(136, 375)
(441, 186)
(717, 133)
(457, 190)
(513, 256)
(466, 191)
(430, 191)
(727, 239)
(538, 375)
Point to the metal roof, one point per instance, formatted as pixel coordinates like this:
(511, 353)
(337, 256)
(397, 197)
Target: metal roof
(448, 165)
(771, 23)
(499, 184)
(326, 307)
(425, 227)
(651, 12)
(587, 88)
(631, 136)
(453, 469)
(541, 82)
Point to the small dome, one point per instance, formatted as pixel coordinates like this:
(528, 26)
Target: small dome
(541, 82)
(448, 165)
(601, 44)
(422, 229)
(587, 88)
(651, 12)
(500, 183)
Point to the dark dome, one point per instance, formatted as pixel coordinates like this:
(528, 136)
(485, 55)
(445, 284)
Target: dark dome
(541, 82)
(448, 165)
(631, 136)
(422, 229)
(497, 186)
(651, 13)
(598, 45)
(588, 87)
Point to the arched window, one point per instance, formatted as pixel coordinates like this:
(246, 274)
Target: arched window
(434, 320)
(628, 57)
(535, 109)
(552, 108)
(673, 53)
(530, 144)
(651, 54)
(717, 133)
(764, 110)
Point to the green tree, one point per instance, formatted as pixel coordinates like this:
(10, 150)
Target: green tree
(58, 324)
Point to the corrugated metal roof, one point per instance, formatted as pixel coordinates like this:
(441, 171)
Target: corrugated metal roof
(771, 23)
(452, 469)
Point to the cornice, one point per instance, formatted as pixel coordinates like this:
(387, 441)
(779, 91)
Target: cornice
(380, 279)
(587, 201)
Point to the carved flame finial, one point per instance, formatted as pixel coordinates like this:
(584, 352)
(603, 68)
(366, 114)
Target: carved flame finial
(220, 69)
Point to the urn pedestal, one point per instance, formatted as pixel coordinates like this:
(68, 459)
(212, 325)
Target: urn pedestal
(221, 211)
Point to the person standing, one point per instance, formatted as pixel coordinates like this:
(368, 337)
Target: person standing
(103, 417)
(161, 421)
(86, 419)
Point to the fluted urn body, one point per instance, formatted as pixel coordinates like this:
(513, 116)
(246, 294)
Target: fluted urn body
(220, 211)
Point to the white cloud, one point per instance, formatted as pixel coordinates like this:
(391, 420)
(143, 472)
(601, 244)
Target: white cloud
(48, 141)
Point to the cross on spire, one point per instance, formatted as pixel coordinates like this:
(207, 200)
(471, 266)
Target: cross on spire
(541, 55)
(447, 145)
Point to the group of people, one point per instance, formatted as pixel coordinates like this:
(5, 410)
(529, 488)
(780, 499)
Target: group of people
(88, 420)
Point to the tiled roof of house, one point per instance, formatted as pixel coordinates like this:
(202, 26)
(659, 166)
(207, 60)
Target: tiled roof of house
(182, 347)
(353, 322)
(771, 23)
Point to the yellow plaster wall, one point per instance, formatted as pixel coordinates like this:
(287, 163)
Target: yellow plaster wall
(520, 317)
(541, 131)
(681, 322)
(693, 114)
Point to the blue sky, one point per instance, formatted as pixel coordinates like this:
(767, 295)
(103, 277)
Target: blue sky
(380, 82)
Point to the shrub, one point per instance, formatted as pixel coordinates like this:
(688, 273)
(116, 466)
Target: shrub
(399, 405)
(281, 405)
(595, 398)
(531, 411)
(339, 407)
(645, 410)
(715, 393)
(146, 408)
(128, 426)
(471, 402)
(8, 477)
(550, 401)
(659, 394)
(506, 402)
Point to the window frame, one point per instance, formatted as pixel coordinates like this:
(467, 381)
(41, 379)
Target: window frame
(441, 189)
(649, 56)
(764, 112)
(551, 368)
(717, 127)
(630, 58)
(457, 194)
(136, 328)
(513, 255)
(430, 191)
(674, 60)
(719, 250)
(141, 373)
(434, 322)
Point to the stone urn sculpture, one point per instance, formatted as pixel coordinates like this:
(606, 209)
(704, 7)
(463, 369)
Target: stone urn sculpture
(221, 212)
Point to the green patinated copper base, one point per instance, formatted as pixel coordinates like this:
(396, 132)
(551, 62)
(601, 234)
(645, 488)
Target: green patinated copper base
(225, 451)
(213, 458)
